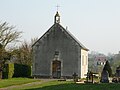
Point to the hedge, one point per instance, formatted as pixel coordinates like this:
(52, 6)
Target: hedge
(8, 71)
(22, 70)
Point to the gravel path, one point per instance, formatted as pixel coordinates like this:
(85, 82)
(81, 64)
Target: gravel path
(28, 84)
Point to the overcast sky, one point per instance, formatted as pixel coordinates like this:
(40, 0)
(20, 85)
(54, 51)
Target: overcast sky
(95, 23)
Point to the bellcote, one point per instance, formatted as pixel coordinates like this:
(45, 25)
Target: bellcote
(57, 18)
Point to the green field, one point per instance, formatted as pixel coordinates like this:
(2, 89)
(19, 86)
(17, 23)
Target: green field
(59, 85)
(15, 81)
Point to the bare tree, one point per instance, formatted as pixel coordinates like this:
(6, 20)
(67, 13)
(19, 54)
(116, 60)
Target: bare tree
(8, 34)
(24, 53)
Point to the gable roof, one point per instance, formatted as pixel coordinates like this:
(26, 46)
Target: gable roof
(66, 31)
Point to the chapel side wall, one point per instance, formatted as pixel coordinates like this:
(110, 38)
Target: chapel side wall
(84, 63)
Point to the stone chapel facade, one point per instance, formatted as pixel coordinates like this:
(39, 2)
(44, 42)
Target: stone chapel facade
(58, 54)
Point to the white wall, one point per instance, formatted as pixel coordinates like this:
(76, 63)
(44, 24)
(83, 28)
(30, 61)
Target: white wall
(84, 63)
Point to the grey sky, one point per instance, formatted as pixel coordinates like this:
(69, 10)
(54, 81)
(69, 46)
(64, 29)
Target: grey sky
(95, 23)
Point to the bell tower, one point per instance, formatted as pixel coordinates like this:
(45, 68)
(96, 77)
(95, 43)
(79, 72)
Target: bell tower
(57, 18)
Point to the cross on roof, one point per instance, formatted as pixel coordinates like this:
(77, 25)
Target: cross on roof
(57, 7)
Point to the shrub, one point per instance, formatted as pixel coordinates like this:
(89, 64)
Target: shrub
(107, 67)
(8, 71)
(22, 70)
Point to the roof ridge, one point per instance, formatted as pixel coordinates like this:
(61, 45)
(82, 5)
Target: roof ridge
(73, 37)
(68, 32)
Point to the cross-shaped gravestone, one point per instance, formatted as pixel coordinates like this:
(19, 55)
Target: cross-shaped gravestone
(75, 77)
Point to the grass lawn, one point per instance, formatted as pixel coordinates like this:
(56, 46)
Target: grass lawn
(57, 85)
(15, 81)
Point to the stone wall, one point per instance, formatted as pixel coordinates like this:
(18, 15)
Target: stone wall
(56, 39)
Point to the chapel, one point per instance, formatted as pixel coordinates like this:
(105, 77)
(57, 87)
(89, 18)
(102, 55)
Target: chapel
(58, 54)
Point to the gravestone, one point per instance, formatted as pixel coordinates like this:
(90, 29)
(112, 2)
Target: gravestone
(118, 71)
(116, 79)
(118, 74)
(89, 77)
(104, 77)
(75, 77)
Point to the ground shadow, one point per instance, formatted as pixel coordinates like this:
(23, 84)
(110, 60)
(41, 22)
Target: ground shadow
(72, 86)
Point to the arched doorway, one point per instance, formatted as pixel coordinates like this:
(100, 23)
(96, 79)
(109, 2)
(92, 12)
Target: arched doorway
(56, 69)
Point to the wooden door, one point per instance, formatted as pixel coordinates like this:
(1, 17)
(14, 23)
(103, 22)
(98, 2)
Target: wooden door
(56, 69)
